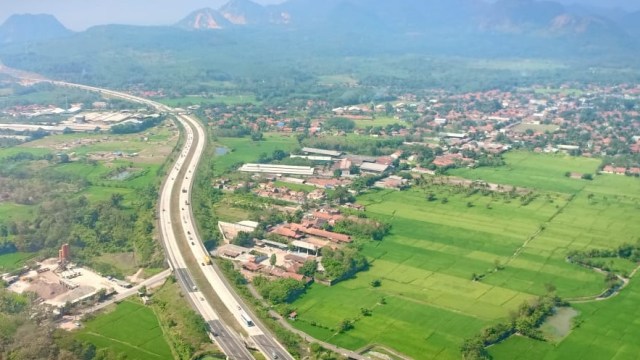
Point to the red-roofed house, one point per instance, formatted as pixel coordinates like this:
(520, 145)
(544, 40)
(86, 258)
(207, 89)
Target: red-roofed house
(286, 232)
(335, 237)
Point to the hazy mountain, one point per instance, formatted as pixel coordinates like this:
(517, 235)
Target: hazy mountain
(204, 19)
(544, 18)
(245, 12)
(503, 16)
(29, 27)
(631, 24)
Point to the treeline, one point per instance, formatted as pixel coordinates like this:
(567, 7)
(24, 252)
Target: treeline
(135, 127)
(26, 334)
(526, 322)
(373, 147)
(342, 264)
(279, 291)
(203, 200)
(90, 229)
(591, 257)
(362, 228)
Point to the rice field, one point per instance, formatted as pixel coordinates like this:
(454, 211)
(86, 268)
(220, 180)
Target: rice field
(435, 247)
(132, 331)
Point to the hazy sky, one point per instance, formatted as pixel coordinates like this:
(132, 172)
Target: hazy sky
(80, 14)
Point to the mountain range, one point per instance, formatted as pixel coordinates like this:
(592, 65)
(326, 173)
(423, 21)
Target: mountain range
(502, 16)
(457, 22)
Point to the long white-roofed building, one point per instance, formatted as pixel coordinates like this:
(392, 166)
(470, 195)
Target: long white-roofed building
(278, 169)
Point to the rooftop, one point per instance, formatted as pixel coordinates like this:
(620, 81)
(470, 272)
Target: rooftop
(277, 169)
(321, 152)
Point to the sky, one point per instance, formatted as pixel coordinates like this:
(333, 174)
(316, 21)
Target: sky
(81, 14)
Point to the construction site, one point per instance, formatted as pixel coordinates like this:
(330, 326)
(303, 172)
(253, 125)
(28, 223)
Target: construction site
(57, 281)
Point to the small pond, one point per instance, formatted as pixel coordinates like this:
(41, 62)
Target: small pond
(559, 324)
(221, 151)
(123, 175)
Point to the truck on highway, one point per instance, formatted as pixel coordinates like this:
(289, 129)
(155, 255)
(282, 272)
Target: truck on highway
(247, 320)
(206, 260)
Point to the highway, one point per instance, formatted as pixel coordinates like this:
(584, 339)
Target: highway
(178, 185)
(235, 305)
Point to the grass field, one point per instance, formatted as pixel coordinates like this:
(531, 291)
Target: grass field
(295, 187)
(11, 211)
(4, 153)
(426, 264)
(131, 330)
(536, 171)
(13, 260)
(378, 121)
(246, 150)
(608, 330)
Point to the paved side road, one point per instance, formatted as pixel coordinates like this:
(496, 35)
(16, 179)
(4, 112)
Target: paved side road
(150, 282)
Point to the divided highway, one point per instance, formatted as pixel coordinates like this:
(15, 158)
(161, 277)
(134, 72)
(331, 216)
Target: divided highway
(177, 224)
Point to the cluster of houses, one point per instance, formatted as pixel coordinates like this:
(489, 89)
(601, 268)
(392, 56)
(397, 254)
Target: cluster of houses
(549, 120)
(283, 193)
(620, 170)
(292, 244)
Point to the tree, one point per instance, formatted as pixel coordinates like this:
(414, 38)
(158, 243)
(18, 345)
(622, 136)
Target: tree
(243, 239)
(342, 124)
(257, 136)
(388, 108)
(273, 259)
(101, 294)
(376, 283)
(116, 199)
(63, 158)
(587, 177)
(309, 268)
(342, 195)
(345, 325)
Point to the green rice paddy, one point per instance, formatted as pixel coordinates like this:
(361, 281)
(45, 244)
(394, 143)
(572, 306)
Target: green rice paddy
(132, 330)
(427, 262)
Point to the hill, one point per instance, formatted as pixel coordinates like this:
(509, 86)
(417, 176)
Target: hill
(31, 28)
(245, 12)
(204, 19)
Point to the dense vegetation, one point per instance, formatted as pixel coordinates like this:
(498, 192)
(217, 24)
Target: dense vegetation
(134, 127)
(90, 229)
(341, 264)
(279, 291)
(525, 321)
